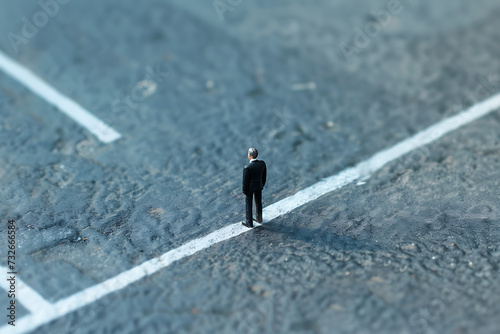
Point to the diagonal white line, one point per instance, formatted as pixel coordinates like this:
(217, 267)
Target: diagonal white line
(361, 170)
(101, 130)
(25, 295)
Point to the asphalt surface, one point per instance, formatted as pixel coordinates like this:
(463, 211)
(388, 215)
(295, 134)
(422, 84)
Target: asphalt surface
(413, 250)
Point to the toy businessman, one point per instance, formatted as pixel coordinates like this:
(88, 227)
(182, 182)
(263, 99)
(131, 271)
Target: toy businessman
(254, 180)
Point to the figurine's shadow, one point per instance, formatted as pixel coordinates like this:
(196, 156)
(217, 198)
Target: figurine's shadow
(320, 236)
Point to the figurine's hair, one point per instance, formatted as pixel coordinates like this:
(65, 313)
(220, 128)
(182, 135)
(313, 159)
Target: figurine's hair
(253, 152)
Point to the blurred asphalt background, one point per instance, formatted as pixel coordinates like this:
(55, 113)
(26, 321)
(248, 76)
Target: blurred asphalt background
(413, 250)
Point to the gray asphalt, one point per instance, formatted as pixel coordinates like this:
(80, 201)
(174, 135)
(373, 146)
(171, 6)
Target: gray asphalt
(413, 250)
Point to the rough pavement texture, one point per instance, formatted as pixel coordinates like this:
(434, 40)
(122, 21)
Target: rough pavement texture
(414, 250)
(87, 211)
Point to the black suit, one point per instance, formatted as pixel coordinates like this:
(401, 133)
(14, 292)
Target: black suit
(254, 180)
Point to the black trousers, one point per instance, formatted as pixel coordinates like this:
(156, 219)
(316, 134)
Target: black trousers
(258, 206)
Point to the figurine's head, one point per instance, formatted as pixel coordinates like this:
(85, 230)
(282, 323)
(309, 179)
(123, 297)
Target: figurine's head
(252, 153)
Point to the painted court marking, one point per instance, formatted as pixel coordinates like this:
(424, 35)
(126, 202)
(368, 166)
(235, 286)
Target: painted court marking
(101, 130)
(28, 297)
(44, 314)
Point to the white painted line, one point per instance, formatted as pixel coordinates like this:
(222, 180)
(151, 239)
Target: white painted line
(361, 171)
(100, 129)
(24, 295)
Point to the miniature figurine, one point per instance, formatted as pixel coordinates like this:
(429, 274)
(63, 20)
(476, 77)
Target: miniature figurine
(254, 180)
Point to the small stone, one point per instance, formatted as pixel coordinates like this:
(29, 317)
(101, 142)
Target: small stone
(336, 307)
(156, 212)
(148, 87)
(304, 86)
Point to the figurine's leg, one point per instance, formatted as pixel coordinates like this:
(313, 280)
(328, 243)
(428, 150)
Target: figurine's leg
(248, 201)
(258, 205)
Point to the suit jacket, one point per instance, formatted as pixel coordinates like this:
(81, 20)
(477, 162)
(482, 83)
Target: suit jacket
(254, 176)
